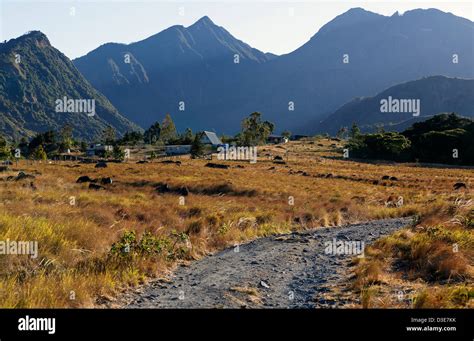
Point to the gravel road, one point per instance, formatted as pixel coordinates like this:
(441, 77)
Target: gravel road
(286, 271)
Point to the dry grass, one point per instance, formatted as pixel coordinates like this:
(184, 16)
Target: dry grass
(81, 247)
(436, 253)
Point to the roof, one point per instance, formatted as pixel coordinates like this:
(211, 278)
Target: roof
(212, 137)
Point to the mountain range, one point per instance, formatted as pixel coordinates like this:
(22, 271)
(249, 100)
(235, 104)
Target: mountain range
(195, 66)
(209, 80)
(33, 77)
(436, 94)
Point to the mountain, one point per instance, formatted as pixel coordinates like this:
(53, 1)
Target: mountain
(196, 65)
(435, 94)
(33, 77)
(382, 51)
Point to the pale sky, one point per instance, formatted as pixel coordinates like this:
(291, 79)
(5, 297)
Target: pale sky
(77, 27)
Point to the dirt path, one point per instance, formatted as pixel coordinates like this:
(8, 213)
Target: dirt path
(286, 271)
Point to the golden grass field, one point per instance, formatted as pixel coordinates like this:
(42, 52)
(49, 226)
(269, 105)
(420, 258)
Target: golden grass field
(79, 265)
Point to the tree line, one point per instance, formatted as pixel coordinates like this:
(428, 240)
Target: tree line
(254, 131)
(444, 138)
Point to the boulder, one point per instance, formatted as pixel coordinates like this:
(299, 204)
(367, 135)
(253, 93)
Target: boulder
(96, 187)
(459, 185)
(106, 181)
(101, 164)
(83, 179)
(23, 175)
(216, 165)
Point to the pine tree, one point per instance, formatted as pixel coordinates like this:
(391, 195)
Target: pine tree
(152, 134)
(197, 147)
(168, 129)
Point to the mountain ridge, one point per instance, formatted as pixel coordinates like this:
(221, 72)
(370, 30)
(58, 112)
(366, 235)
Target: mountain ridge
(33, 77)
(437, 94)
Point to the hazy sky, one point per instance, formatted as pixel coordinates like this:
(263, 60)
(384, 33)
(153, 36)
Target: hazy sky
(77, 27)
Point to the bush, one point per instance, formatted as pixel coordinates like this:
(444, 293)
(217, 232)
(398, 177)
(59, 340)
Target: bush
(385, 146)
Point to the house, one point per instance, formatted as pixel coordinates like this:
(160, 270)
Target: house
(210, 138)
(277, 139)
(177, 149)
(98, 149)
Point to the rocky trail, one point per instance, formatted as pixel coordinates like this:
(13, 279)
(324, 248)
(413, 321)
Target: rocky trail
(286, 271)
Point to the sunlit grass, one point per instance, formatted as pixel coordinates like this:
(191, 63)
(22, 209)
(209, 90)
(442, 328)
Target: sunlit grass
(75, 239)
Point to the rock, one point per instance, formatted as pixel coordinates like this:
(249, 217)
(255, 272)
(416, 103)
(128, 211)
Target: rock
(23, 175)
(106, 181)
(96, 187)
(172, 162)
(142, 162)
(386, 177)
(329, 175)
(264, 285)
(162, 188)
(101, 164)
(459, 185)
(278, 158)
(216, 165)
(83, 179)
(393, 178)
(4, 168)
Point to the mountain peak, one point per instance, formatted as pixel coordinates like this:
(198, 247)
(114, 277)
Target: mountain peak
(205, 20)
(31, 38)
(37, 36)
(352, 16)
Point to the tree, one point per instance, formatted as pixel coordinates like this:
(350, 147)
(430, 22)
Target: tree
(197, 147)
(254, 131)
(39, 153)
(385, 146)
(5, 152)
(118, 153)
(131, 138)
(46, 140)
(341, 133)
(152, 134)
(66, 137)
(286, 134)
(188, 136)
(168, 129)
(355, 131)
(109, 135)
